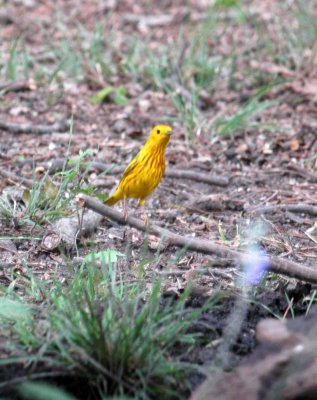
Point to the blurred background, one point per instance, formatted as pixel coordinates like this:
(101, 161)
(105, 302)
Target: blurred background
(214, 68)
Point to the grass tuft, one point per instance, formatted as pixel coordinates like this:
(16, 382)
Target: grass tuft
(117, 338)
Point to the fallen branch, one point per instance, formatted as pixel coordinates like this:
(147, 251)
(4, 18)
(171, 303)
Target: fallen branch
(25, 161)
(272, 69)
(37, 129)
(15, 178)
(148, 20)
(58, 164)
(295, 208)
(197, 176)
(276, 264)
(17, 86)
(308, 175)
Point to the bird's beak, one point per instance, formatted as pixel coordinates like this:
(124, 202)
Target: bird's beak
(169, 133)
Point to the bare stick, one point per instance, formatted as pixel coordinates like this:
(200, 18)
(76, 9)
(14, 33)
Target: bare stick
(278, 265)
(58, 164)
(295, 208)
(197, 176)
(15, 178)
(308, 175)
(17, 86)
(38, 129)
(148, 20)
(272, 68)
(25, 161)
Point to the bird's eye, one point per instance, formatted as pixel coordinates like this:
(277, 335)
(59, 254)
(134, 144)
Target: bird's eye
(158, 131)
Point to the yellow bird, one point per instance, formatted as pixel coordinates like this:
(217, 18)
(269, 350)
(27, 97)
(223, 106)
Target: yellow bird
(145, 171)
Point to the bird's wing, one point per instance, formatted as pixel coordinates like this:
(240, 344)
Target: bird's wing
(131, 166)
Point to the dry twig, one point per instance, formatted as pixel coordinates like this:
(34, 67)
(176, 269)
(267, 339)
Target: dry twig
(15, 178)
(58, 165)
(17, 86)
(148, 20)
(308, 175)
(40, 129)
(295, 208)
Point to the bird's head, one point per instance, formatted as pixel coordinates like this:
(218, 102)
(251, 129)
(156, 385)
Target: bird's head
(160, 135)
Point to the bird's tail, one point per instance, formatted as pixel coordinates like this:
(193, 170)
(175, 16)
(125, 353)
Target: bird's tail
(111, 200)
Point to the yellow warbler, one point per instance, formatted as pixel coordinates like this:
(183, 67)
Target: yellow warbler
(146, 170)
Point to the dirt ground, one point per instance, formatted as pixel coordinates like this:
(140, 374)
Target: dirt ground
(252, 121)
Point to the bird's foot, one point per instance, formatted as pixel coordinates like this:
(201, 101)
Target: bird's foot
(146, 220)
(125, 214)
(125, 210)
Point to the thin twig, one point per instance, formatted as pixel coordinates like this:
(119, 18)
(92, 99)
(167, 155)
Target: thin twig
(276, 264)
(197, 176)
(308, 175)
(180, 272)
(58, 164)
(307, 233)
(26, 161)
(148, 20)
(17, 86)
(295, 208)
(61, 126)
(15, 178)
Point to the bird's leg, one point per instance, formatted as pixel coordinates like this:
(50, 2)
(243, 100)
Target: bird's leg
(146, 217)
(125, 209)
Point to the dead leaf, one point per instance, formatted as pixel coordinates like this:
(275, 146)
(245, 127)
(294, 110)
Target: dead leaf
(295, 145)
(272, 68)
(155, 243)
(305, 88)
(242, 148)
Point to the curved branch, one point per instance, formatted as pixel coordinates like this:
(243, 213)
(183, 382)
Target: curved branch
(58, 164)
(276, 264)
(295, 208)
(37, 129)
(15, 178)
(18, 85)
